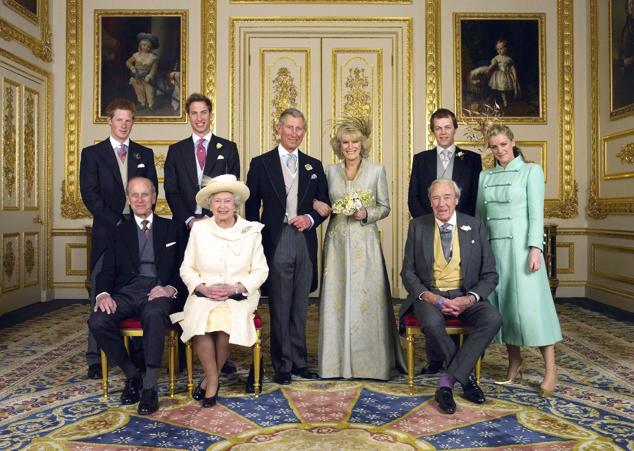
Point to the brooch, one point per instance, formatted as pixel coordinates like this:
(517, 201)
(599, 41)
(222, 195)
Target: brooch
(308, 167)
(137, 156)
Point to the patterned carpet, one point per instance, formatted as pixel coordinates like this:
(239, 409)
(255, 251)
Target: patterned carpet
(46, 402)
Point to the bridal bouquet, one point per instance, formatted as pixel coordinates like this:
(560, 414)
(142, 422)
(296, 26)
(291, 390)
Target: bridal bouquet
(351, 202)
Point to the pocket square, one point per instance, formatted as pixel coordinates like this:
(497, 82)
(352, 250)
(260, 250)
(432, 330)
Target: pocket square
(140, 165)
(466, 228)
(220, 157)
(313, 177)
(170, 244)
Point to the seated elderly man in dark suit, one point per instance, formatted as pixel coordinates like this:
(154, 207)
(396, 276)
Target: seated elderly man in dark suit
(140, 278)
(449, 270)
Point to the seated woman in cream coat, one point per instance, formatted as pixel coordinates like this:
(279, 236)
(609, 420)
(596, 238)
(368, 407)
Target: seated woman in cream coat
(223, 268)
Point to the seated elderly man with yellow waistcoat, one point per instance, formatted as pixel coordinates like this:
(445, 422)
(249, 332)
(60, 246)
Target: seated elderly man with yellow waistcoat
(448, 271)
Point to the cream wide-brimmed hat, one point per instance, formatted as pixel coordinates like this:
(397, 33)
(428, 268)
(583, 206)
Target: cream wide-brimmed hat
(226, 183)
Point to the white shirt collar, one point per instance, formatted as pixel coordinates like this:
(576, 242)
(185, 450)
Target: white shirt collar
(282, 151)
(197, 138)
(139, 219)
(115, 144)
(453, 221)
(452, 148)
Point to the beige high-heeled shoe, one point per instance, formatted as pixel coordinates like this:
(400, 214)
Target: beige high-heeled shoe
(547, 392)
(519, 374)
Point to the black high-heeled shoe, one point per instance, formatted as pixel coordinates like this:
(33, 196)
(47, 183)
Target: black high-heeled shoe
(199, 392)
(211, 401)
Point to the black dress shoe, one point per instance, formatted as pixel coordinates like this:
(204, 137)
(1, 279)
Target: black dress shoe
(305, 374)
(94, 371)
(131, 391)
(283, 378)
(211, 401)
(199, 392)
(434, 367)
(248, 386)
(228, 368)
(149, 402)
(472, 391)
(444, 397)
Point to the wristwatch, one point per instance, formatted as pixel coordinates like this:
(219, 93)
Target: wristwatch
(439, 303)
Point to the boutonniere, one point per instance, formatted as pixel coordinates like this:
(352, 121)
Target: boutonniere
(466, 228)
(460, 154)
(137, 156)
(308, 167)
(218, 146)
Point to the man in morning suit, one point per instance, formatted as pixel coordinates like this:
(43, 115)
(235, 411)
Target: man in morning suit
(140, 278)
(444, 161)
(202, 154)
(103, 175)
(448, 271)
(285, 182)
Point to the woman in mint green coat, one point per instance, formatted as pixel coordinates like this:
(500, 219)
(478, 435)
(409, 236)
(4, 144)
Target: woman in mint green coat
(511, 203)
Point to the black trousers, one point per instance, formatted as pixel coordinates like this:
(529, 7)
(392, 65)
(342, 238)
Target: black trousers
(131, 301)
(482, 317)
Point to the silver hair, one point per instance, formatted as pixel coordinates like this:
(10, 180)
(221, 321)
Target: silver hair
(152, 187)
(456, 188)
(237, 200)
(292, 112)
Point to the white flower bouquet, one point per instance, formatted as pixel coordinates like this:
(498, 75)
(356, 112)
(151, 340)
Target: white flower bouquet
(351, 202)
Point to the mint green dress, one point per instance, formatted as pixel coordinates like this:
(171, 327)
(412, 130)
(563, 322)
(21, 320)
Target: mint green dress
(511, 203)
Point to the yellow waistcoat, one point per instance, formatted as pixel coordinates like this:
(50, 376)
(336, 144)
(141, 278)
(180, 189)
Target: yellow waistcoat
(447, 276)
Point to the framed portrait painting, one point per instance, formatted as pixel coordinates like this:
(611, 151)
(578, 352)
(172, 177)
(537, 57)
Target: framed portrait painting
(27, 8)
(500, 63)
(141, 56)
(621, 58)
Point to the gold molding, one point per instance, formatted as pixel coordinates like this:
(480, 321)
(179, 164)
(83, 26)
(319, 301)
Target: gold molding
(11, 117)
(598, 207)
(596, 272)
(98, 14)
(392, 2)
(30, 140)
(457, 58)
(32, 258)
(626, 155)
(433, 70)
(606, 233)
(72, 207)
(41, 47)
(68, 248)
(571, 257)
(46, 77)
(69, 285)
(69, 232)
(612, 290)
(209, 25)
(10, 263)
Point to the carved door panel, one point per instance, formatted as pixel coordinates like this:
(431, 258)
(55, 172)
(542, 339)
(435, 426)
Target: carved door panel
(325, 78)
(22, 188)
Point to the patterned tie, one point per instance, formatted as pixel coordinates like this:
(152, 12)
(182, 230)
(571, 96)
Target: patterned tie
(445, 239)
(201, 153)
(291, 163)
(446, 156)
(122, 152)
(145, 229)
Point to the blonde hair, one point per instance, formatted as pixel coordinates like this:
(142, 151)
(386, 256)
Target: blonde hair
(501, 129)
(356, 128)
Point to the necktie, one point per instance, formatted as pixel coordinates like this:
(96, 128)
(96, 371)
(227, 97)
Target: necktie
(145, 229)
(445, 156)
(201, 153)
(122, 152)
(445, 239)
(291, 163)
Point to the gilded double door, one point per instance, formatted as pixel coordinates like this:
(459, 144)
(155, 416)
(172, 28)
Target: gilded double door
(326, 75)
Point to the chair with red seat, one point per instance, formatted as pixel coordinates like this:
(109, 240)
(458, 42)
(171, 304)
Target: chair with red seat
(257, 352)
(453, 326)
(131, 327)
